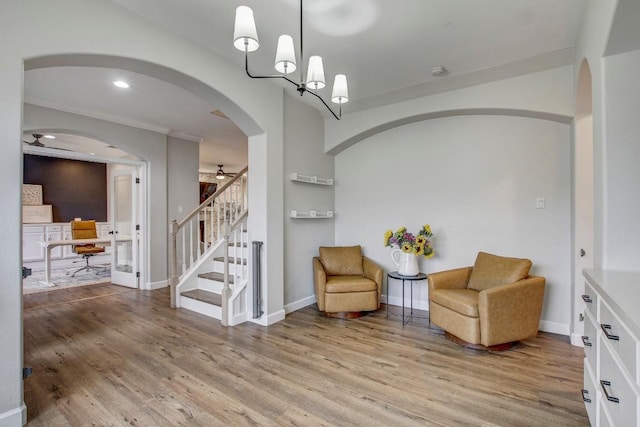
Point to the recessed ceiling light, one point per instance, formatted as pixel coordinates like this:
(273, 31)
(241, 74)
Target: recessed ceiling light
(93, 154)
(50, 136)
(439, 71)
(121, 84)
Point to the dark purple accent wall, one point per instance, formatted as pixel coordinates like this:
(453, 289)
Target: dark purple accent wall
(75, 189)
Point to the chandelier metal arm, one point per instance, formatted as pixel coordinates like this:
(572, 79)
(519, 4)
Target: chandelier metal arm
(302, 90)
(264, 76)
(299, 87)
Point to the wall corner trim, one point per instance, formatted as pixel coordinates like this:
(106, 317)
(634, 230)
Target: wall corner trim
(15, 417)
(301, 303)
(270, 319)
(152, 286)
(555, 327)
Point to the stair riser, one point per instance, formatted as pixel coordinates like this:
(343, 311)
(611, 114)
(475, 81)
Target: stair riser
(240, 252)
(210, 285)
(219, 267)
(201, 307)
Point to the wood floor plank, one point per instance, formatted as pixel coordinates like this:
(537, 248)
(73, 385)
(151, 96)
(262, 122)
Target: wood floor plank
(116, 357)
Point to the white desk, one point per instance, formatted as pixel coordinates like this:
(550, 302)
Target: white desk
(50, 244)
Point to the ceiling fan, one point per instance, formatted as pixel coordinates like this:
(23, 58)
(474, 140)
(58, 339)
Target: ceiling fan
(220, 174)
(37, 142)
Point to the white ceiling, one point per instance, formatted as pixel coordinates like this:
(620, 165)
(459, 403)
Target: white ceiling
(385, 48)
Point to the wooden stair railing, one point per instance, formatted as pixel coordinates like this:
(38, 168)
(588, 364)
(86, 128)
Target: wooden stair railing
(203, 227)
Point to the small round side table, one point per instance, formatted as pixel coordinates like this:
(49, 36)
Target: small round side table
(410, 279)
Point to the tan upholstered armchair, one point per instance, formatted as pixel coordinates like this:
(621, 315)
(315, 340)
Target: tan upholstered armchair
(346, 282)
(492, 303)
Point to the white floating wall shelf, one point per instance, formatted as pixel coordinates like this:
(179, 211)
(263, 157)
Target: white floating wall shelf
(310, 214)
(311, 179)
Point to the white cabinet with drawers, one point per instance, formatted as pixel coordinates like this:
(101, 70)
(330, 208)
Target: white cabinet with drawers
(612, 348)
(31, 235)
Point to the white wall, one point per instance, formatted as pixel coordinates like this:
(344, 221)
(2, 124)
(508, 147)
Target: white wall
(182, 177)
(590, 45)
(183, 194)
(475, 179)
(304, 153)
(622, 199)
(12, 409)
(546, 93)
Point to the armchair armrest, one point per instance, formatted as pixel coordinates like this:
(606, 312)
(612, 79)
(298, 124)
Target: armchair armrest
(319, 282)
(374, 272)
(509, 312)
(450, 279)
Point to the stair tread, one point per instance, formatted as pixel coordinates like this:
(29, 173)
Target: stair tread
(204, 296)
(221, 259)
(244, 245)
(214, 275)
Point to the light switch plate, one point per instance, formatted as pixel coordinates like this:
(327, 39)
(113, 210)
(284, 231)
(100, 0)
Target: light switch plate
(540, 203)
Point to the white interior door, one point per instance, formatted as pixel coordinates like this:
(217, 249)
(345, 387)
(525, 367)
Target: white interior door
(124, 222)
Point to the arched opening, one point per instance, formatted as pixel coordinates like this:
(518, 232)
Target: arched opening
(583, 223)
(75, 175)
(154, 146)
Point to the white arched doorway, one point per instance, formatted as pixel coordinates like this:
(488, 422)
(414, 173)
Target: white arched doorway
(582, 196)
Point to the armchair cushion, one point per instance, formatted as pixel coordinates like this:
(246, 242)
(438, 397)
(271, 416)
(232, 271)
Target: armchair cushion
(492, 270)
(336, 284)
(463, 301)
(342, 261)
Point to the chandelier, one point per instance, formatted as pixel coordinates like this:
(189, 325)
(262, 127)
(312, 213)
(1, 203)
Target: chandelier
(245, 38)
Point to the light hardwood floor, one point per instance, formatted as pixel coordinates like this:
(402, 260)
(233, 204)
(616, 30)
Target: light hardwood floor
(106, 355)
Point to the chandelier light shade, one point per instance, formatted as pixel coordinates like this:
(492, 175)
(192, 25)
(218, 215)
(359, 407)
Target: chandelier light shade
(285, 55)
(315, 74)
(340, 93)
(245, 36)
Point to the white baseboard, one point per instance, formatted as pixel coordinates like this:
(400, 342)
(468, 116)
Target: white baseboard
(301, 303)
(266, 320)
(239, 318)
(576, 339)
(151, 286)
(554, 327)
(14, 418)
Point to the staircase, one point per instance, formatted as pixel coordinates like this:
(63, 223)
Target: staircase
(209, 259)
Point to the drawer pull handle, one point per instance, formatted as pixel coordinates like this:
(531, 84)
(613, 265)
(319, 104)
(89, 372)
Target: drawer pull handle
(587, 299)
(606, 328)
(586, 399)
(604, 384)
(585, 341)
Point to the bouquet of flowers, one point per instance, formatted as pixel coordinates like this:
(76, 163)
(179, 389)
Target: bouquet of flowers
(419, 244)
